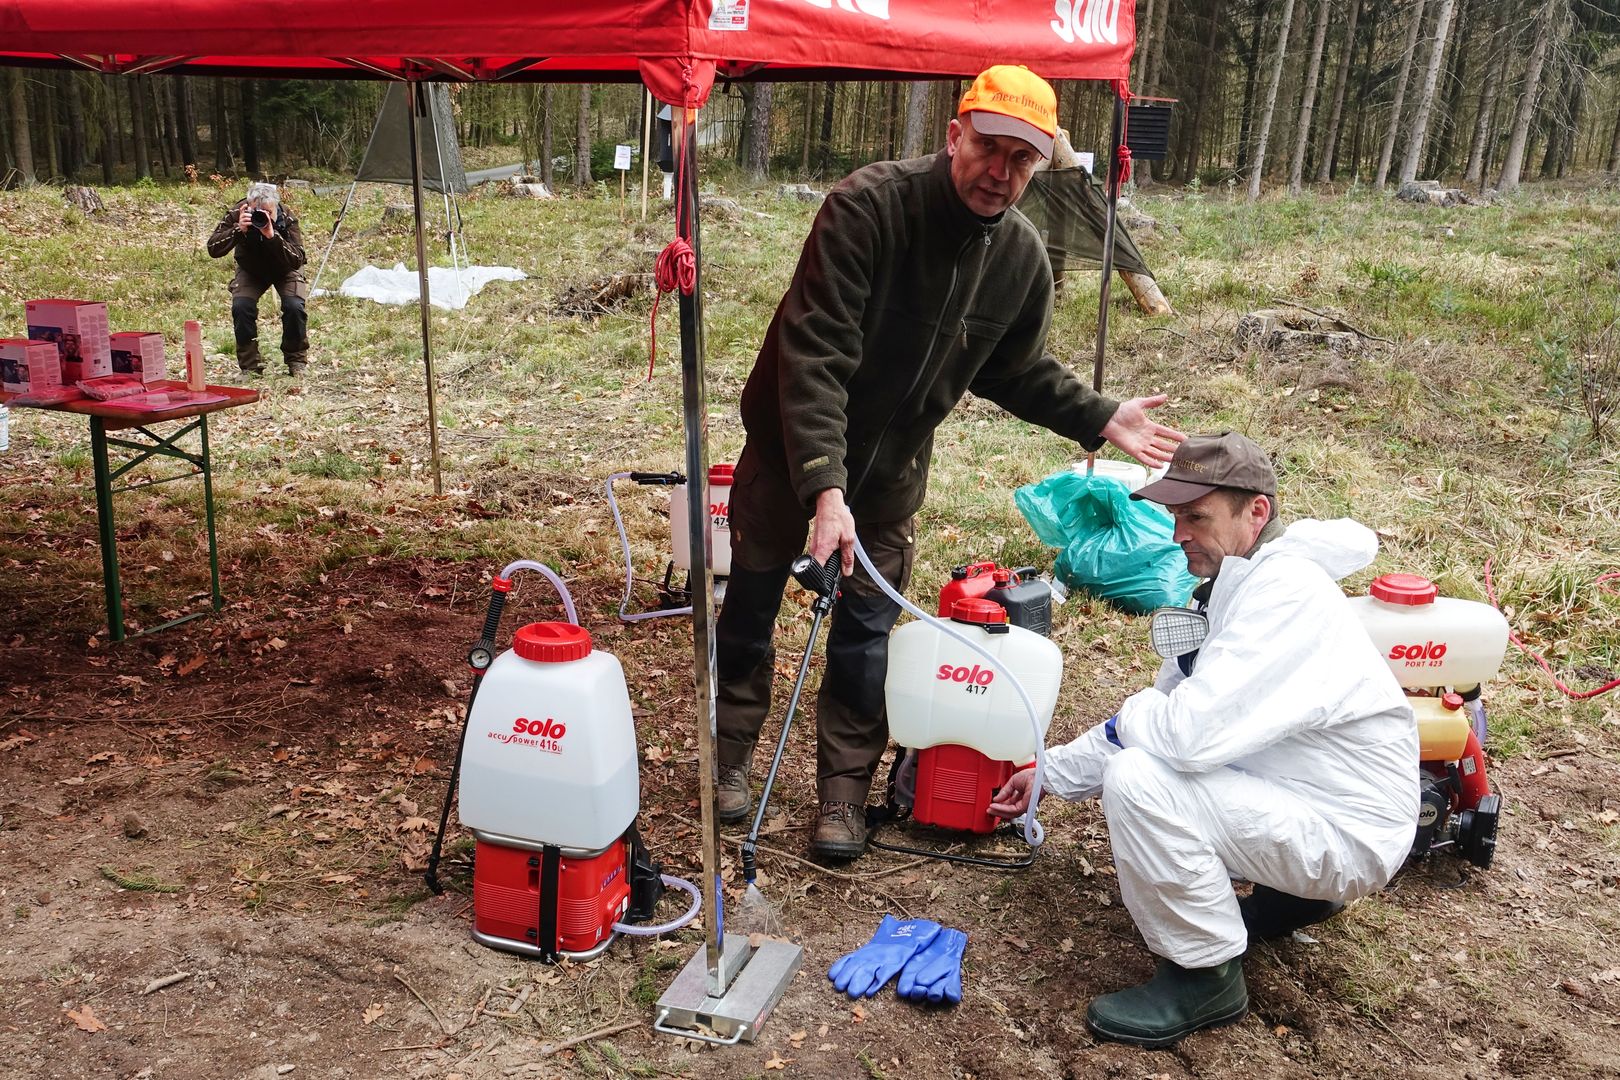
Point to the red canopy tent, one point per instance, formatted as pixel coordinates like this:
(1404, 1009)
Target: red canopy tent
(677, 48)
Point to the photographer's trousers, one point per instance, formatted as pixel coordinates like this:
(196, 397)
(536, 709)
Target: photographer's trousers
(245, 292)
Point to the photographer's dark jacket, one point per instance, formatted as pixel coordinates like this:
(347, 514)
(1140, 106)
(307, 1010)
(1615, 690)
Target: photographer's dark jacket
(269, 261)
(902, 302)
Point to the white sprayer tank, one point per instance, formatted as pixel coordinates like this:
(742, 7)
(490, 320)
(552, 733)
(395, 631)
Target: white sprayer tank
(939, 692)
(1430, 640)
(719, 521)
(551, 745)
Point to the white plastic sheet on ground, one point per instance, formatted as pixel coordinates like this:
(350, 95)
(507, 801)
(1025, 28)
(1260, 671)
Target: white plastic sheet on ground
(447, 288)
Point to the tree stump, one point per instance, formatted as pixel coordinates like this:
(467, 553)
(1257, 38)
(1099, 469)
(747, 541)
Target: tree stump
(84, 198)
(399, 216)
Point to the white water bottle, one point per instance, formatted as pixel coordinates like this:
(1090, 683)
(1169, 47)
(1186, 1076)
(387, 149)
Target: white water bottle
(5, 428)
(196, 376)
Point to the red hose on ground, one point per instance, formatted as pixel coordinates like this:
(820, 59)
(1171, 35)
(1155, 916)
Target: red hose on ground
(1578, 695)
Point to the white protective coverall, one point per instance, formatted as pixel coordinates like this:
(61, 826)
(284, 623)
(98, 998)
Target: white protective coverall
(1288, 758)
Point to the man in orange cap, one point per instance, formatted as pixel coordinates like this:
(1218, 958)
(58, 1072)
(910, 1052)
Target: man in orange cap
(919, 282)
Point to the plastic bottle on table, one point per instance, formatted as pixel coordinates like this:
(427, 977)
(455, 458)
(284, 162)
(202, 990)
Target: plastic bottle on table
(196, 375)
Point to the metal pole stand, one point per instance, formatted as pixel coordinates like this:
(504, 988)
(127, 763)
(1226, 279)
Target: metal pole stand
(727, 989)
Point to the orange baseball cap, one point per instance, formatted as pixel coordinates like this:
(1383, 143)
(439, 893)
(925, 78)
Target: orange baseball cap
(1012, 100)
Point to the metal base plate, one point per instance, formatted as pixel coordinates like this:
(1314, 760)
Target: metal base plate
(688, 1010)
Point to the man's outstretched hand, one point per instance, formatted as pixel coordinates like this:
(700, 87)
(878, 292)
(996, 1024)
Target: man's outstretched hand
(1013, 798)
(1136, 433)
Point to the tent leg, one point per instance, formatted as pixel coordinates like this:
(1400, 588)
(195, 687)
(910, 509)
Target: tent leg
(414, 90)
(1115, 143)
(336, 225)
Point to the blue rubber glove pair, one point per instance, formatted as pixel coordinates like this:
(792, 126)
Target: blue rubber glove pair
(927, 957)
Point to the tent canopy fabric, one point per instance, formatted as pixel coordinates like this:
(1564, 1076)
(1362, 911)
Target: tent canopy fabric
(388, 154)
(677, 47)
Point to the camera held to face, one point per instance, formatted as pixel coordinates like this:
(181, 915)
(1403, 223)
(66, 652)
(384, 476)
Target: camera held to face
(259, 218)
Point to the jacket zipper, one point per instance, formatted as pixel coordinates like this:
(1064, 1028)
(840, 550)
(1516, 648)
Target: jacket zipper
(933, 341)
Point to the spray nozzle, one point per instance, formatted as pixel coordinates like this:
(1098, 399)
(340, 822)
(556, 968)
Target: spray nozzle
(667, 479)
(820, 579)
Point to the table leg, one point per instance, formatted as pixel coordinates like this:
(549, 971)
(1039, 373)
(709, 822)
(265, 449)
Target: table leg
(208, 512)
(109, 532)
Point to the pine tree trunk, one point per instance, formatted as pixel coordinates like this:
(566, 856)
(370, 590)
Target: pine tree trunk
(919, 99)
(1425, 100)
(187, 119)
(45, 99)
(1266, 114)
(1188, 166)
(1251, 86)
(545, 141)
(109, 123)
(1553, 120)
(250, 127)
(1445, 139)
(1364, 87)
(1144, 45)
(218, 129)
(22, 143)
(582, 139)
(1330, 134)
(824, 147)
(78, 144)
(1613, 164)
(138, 127)
(1302, 137)
(1547, 16)
(757, 132)
(158, 98)
(1387, 150)
(1495, 76)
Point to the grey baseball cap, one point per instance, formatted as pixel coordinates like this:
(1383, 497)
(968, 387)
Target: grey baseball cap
(1206, 462)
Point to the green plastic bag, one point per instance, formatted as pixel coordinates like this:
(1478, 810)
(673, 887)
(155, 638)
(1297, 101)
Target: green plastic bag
(1112, 547)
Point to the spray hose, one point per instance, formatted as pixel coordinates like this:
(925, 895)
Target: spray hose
(635, 930)
(1034, 835)
(671, 479)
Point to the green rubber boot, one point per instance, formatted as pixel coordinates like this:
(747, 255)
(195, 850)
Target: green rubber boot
(1176, 1002)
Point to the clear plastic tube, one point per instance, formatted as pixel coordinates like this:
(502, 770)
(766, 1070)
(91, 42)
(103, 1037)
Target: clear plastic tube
(637, 930)
(1033, 833)
(1476, 713)
(550, 575)
(625, 615)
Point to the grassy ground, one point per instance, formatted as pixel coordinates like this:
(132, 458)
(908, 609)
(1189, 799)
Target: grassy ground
(1462, 436)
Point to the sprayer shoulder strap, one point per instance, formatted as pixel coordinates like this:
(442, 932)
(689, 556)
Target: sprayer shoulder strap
(550, 868)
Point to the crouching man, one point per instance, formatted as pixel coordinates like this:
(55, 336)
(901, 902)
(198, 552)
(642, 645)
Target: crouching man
(1281, 752)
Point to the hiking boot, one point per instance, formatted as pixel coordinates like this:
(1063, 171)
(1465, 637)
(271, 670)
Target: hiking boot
(840, 831)
(248, 358)
(1176, 1002)
(731, 799)
(296, 363)
(1268, 913)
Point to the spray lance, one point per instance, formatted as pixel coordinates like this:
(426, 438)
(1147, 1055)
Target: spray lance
(823, 581)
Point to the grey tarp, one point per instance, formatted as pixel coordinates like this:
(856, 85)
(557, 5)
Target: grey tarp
(388, 155)
(1070, 210)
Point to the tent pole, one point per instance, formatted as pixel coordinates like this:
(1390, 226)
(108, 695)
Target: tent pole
(1114, 143)
(695, 415)
(646, 146)
(414, 103)
(336, 225)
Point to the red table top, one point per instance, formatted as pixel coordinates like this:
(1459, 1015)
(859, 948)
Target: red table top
(123, 417)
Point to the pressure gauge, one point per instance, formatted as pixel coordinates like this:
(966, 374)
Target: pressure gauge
(481, 657)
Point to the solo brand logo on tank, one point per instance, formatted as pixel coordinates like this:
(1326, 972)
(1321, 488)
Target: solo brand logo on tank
(1429, 654)
(543, 735)
(720, 515)
(975, 678)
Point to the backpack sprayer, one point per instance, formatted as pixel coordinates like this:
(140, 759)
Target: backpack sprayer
(955, 718)
(1440, 649)
(677, 599)
(550, 790)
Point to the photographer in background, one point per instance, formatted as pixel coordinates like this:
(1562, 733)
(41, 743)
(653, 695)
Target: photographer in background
(269, 255)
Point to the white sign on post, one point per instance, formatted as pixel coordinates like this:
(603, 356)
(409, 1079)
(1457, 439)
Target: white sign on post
(1087, 160)
(621, 156)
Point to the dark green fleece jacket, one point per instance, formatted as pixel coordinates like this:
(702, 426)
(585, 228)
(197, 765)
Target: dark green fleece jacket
(903, 301)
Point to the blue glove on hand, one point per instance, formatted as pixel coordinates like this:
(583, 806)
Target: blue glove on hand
(863, 972)
(935, 973)
(1111, 731)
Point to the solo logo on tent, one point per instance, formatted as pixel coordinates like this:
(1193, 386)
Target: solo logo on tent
(1094, 22)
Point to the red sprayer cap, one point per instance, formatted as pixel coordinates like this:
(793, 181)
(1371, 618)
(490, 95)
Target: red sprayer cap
(1451, 702)
(721, 475)
(1003, 577)
(1409, 590)
(976, 609)
(552, 642)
